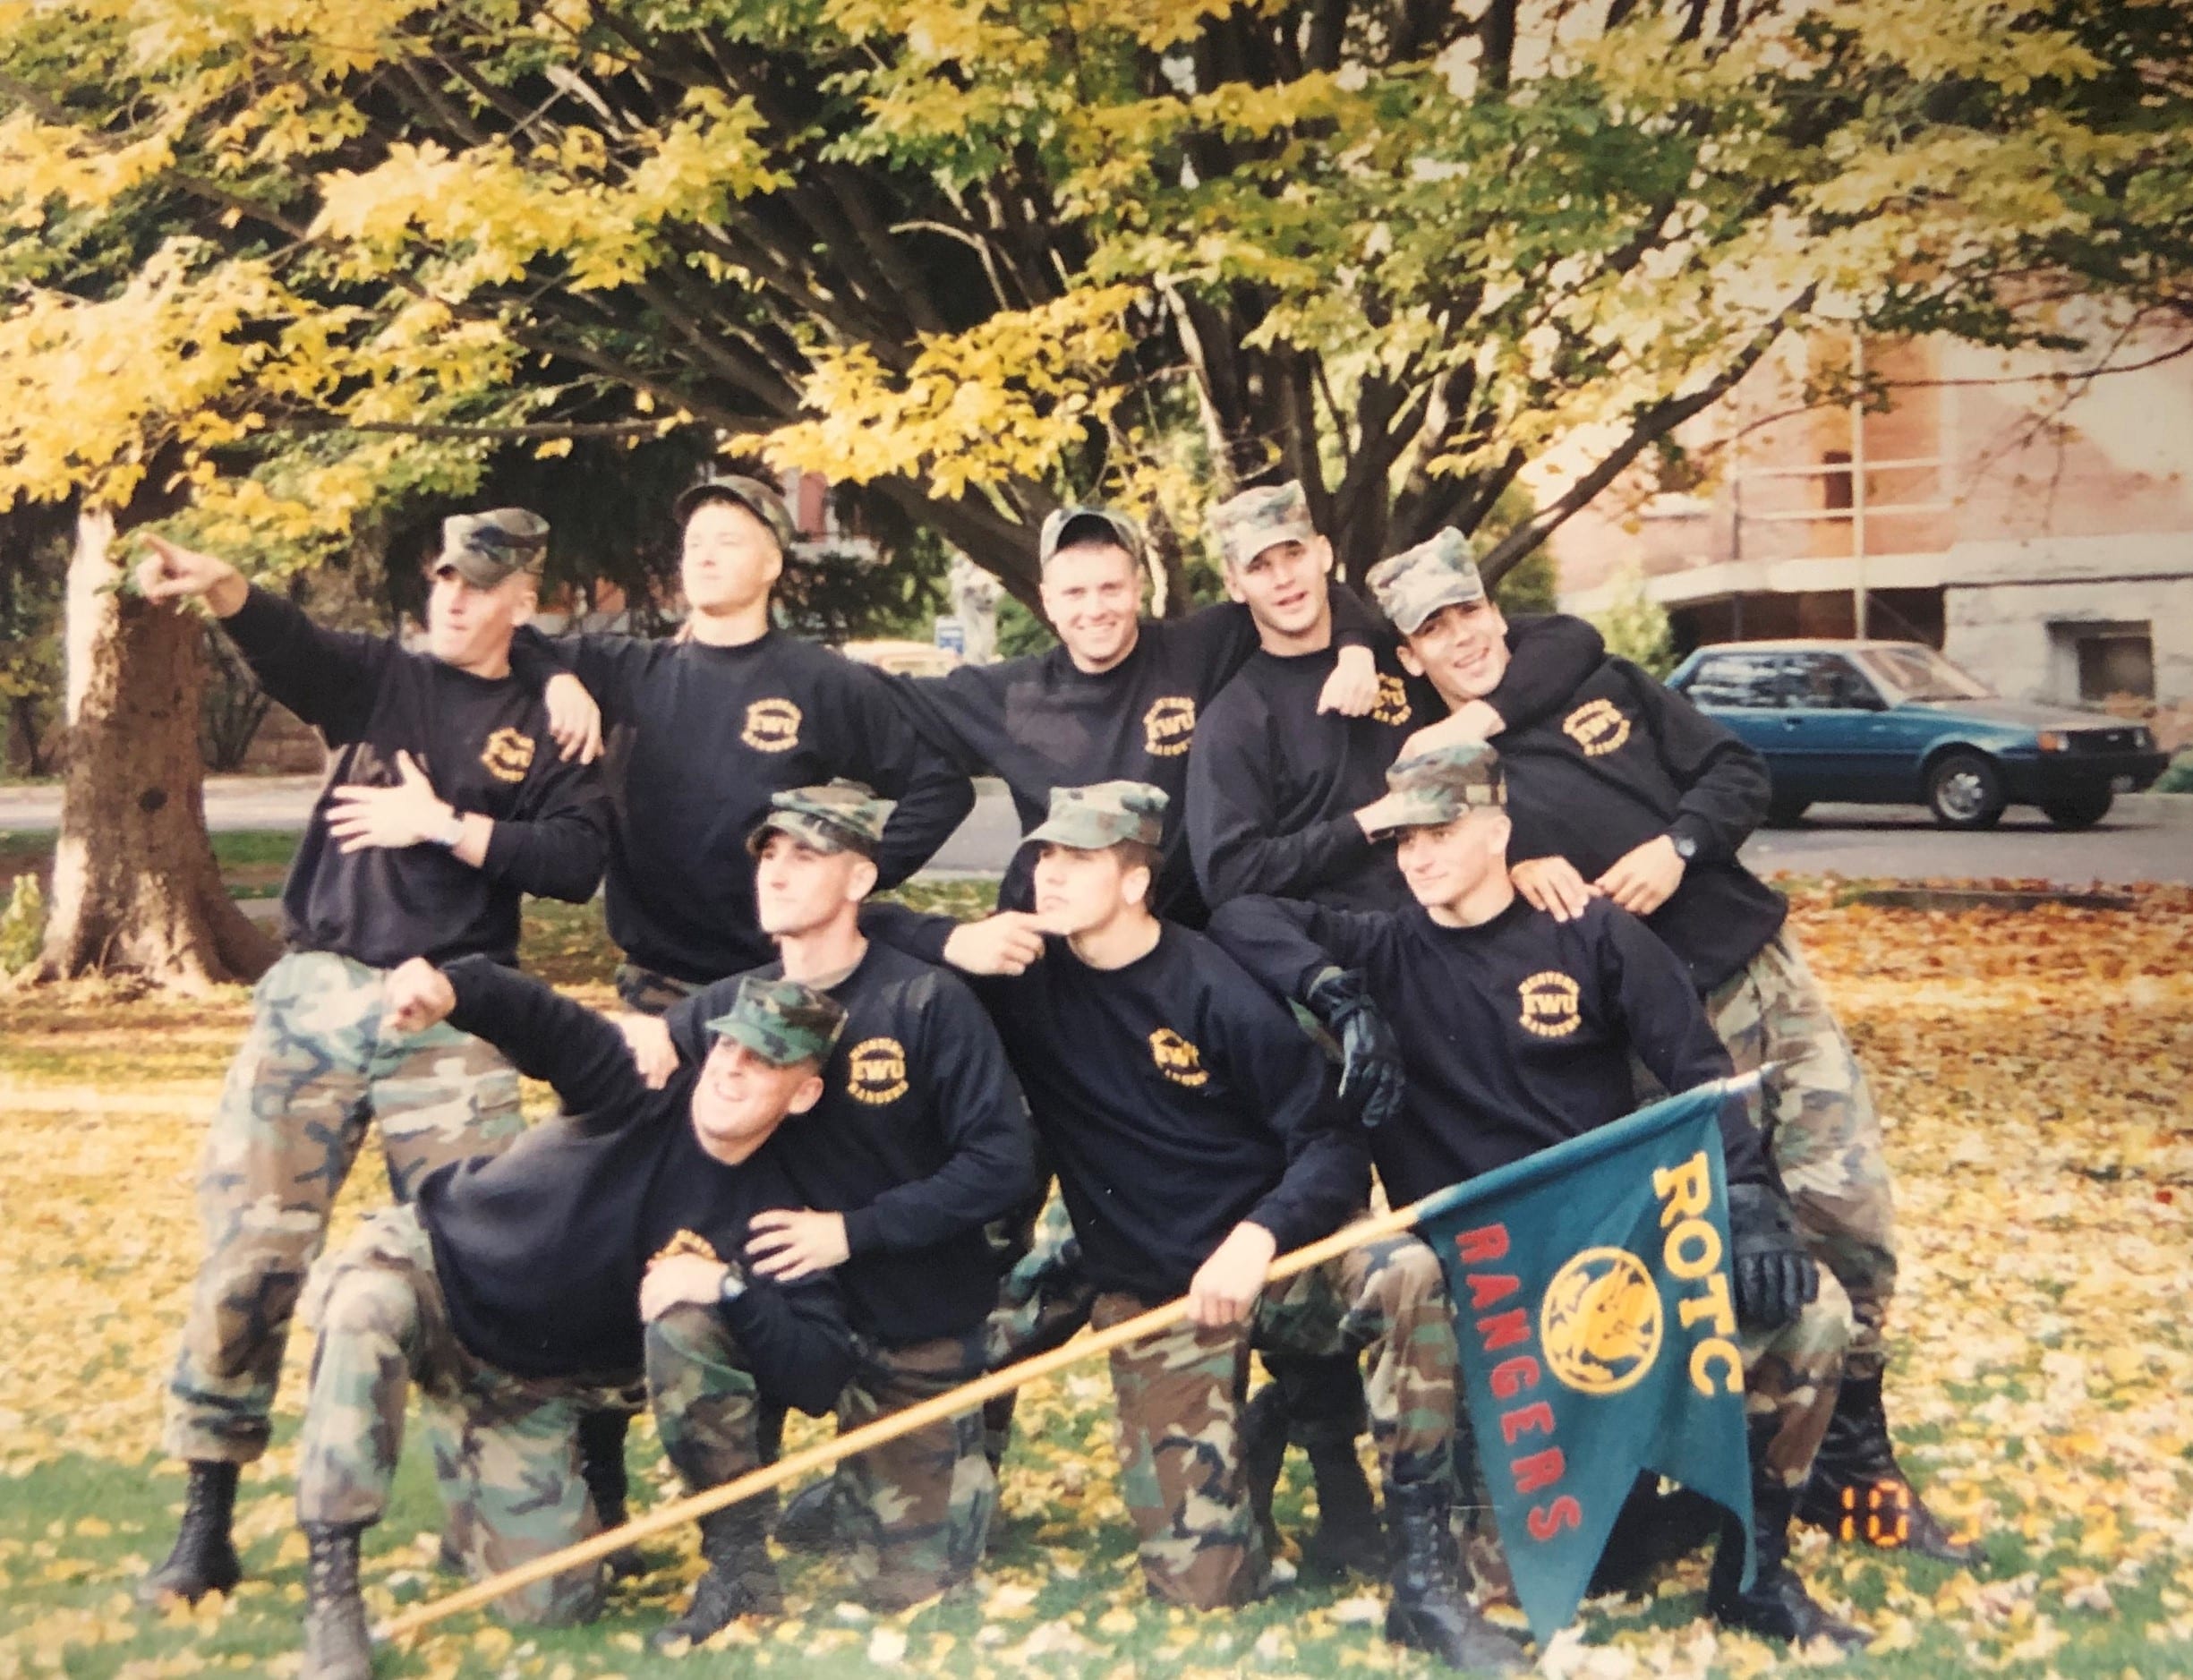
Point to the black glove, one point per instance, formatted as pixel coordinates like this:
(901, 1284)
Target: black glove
(1775, 1278)
(1370, 1072)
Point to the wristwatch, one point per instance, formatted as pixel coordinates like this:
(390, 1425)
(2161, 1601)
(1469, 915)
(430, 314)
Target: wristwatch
(1686, 847)
(733, 1286)
(452, 836)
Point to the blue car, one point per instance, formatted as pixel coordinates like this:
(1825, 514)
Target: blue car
(1895, 723)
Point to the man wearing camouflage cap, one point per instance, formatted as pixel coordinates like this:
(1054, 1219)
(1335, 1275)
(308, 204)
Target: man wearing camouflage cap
(919, 1139)
(1283, 798)
(1624, 790)
(521, 1288)
(444, 804)
(1195, 1137)
(1514, 1032)
(710, 721)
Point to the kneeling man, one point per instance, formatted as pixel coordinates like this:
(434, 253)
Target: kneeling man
(1196, 1137)
(1455, 988)
(519, 1291)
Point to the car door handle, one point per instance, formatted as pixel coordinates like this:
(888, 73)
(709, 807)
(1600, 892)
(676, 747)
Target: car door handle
(1791, 724)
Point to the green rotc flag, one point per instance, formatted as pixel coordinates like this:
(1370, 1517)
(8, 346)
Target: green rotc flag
(1598, 1326)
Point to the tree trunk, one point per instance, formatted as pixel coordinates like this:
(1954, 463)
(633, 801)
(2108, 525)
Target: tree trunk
(136, 890)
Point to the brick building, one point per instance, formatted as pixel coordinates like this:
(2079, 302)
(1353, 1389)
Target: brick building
(2045, 544)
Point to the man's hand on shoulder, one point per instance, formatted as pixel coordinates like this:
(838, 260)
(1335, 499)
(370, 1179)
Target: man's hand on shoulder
(1552, 884)
(1224, 1289)
(416, 997)
(653, 1052)
(1471, 721)
(1353, 688)
(790, 1244)
(1003, 943)
(1641, 879)
(575, 720)
(173, 572)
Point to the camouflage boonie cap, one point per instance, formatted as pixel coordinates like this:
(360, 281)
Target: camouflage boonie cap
(781, 1021)
(1253, 521)
(1436, 786)
(1418, 582)
(762, 500)
(1064, 526)
(1102, 814)
(484, 548)
(840, 816)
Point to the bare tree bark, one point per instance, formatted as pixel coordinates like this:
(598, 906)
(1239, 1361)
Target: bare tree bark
(136, 890)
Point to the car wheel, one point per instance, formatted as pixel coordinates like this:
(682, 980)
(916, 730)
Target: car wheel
(1964, 790)
(2078, 810)
(1787, 812)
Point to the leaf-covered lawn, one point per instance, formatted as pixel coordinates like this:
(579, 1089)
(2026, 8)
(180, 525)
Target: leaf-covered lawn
(2034, 1067)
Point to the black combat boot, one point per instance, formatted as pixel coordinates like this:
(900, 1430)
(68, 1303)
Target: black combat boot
(1859, 1493)
(742, 1578)
(337, 1646)
(1776, 1606)
(602, 1466)
(810, 1519)
(1320, 1400)
(1651, 1531)
(204, 1558)
(1264, 1449)
(1428, 1612)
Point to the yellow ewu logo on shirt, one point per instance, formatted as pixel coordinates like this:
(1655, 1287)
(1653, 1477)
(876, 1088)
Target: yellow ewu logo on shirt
(1178, 1060)
(1168, 726)
(1392, 705)
(875, 1071)
(507, 755)
(1549, 1005)
(1598, 725)
(773, 726)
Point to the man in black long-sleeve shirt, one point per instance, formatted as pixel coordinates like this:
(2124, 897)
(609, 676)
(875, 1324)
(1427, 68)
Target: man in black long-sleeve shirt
(444, 804)
(1196, 1137)
(1516, 1033)
(1286, 799)
(919, 1141)
(521, 1287)
(1625, 790)
(704, 726)
(1120, 697)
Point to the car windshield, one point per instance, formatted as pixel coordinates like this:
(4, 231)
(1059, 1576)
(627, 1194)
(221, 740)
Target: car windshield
(1919, 673)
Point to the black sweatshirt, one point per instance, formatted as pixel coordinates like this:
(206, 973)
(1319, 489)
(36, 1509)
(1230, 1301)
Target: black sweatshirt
(1041, 723)
(1516, 1034)
(1624, 759)
(920, 1139)
(483, 744)
(541, 1249)
(1175, 1100)
(704, 735)
(1274, 786)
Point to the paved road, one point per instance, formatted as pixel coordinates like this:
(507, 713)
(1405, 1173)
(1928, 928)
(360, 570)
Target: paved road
(2148, 836)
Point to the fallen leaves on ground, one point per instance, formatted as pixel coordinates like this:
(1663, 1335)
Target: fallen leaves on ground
(2032, 1066)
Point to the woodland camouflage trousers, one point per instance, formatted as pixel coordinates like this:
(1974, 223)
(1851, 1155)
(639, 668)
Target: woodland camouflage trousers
(1179, 1392)
(506, 1447)
(315, 1069)
(917, 1509)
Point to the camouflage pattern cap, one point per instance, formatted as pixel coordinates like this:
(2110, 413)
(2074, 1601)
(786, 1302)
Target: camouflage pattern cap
(1102, 814)
(1418, 582)
(781, 1021)
(1064, 527)
(1253, 521)
(484, 548)
(839, 817)
(1442, 784)
(762, 500)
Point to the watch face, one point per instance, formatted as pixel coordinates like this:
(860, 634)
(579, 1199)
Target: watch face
(1686, 847)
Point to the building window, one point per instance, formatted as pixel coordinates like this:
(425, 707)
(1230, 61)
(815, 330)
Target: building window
(1835, 482)
(2118, 660)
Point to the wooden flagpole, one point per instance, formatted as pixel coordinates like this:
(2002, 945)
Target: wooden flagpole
(914, 1417)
